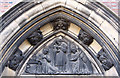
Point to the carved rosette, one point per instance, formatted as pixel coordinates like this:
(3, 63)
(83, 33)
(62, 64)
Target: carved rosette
(60, 23)
(60, 57)
(105, 59)
(85, 37)
(35, 37)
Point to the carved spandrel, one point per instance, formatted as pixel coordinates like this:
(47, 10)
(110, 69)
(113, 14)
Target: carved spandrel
(15, 60)
(105, 59)
(85, 37)
(60, 57)
(60, 23)
(35, 37)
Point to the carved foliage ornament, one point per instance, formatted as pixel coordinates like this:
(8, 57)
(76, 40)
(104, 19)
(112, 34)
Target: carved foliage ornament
(35, 37)
(60, 57)
(60, 23)
(105, 59)
(85, 37)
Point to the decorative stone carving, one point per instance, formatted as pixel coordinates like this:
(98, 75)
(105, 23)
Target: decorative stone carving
(105, 59)
(60, 57)
(60, 23)
(35, 37)
(80, 62)
(15, 59)
(85, 37)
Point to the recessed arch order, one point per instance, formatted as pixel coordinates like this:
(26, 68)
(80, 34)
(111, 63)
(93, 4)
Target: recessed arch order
(19, 24)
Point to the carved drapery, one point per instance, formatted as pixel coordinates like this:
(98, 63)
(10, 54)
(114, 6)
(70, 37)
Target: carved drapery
(60, 57)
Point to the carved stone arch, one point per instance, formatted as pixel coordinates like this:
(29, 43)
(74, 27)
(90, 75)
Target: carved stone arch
(22, 35)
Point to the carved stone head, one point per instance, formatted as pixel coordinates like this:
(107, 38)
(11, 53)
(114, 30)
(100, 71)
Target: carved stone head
(86, 38)
(45, 51)
(63, 47)
(105, 60)
(60, 23)
(35, 37)
(73, 48)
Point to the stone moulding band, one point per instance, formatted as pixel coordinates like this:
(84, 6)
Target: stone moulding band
(69, 14)
(66, 33)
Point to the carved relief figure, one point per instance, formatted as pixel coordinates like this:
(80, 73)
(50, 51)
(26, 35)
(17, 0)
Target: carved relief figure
(40, 64)
(39, 67)
(60, 57)
(32, 65)
(80, 63)
(60, 60)
(73, 59)
(45, 60)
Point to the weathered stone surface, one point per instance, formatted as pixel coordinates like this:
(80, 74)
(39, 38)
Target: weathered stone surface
(15, 60)
(105, 59)
(85, 37)
(79, 7)
(111, 32)
(84, 9)
(59, 58)
(35, 37)
(60, 23)
(96, 18)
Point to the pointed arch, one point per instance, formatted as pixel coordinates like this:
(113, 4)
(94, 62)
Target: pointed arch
(41, 13)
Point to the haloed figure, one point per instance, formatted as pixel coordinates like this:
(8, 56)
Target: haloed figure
(61, 57)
